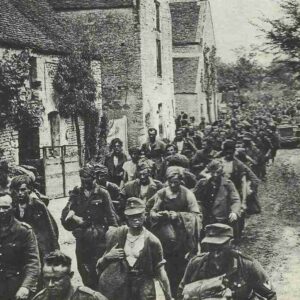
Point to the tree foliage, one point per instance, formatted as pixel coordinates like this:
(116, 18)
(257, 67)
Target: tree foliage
(18, 105)
(283, 35)
(246, 82)
(76, 89)
(244, 73)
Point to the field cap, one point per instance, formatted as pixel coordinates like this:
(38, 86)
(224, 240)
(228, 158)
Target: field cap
(134, 206)
(217, 234)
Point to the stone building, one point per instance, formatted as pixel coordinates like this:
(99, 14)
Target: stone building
(134, 39)
(193, 44)
(34, 25)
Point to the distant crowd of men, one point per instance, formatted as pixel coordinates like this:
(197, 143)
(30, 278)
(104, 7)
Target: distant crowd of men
(173, 213)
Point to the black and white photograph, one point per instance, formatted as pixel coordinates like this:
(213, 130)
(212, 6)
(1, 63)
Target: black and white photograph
(149, 149)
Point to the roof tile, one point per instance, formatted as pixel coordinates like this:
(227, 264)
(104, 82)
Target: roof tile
(89, 4)
(32, 24)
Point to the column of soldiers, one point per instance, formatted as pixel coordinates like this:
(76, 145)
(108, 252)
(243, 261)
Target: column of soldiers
(173, 213)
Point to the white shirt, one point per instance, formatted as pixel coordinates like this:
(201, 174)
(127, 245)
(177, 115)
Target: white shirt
(180, 146)
(227, 168)
(22, 210)
(143, 191)
(133, 247)
(116, 161)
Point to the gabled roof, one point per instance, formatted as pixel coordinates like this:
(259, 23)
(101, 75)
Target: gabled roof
(185, 74)
(33, 24)
(89, 4)
(185, 20)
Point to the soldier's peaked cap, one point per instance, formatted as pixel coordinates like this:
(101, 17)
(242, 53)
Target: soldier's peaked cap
(134, 206)
(217, 234)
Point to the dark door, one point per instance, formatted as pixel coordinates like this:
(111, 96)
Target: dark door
(29, 145)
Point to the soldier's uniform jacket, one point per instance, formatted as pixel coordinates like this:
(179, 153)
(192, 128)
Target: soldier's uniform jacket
(97, 208)
(133, 189)
(217, 201)
(80, 293)
(37, 215)
(19, 259)
(245, 276)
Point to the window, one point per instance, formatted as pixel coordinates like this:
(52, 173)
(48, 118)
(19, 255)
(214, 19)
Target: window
(157, 7)
(158, 58)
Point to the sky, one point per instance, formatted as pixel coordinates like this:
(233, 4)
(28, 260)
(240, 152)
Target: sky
(232, 26)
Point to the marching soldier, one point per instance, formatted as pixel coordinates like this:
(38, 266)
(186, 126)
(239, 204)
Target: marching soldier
(244, 276)
(19, 255)
(57, 277)
(88, 214)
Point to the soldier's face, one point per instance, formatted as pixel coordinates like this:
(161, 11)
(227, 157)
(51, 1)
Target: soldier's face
(57, 280)
(87, 183)
(171, 151)
(117, 148)
(135, 156)
(174, 183)
(23, 193)
(144, 176)
(136, 221)
(6, 210)
(152, 135)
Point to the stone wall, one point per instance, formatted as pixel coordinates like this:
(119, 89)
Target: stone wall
(126, 40)
(9, 143)
(158, 91)
(116, 34)
(45, 66)
(191, 52)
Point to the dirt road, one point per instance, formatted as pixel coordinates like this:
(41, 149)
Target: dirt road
(272, 237)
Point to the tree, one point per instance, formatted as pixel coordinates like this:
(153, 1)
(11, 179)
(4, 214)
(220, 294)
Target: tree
(283, 37)
(75, 89)
(242, 74)
(246, 82)
(18, 105)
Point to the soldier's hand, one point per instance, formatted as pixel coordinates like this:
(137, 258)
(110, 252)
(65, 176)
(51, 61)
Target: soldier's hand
(244, 207)
(173, 215)
(233, 217)
(22, 294)
(115, 254)
(156, 215)
(79, 220)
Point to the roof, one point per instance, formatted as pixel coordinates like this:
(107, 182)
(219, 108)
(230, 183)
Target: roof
(185, 74)
(185, 19)
(32, 24)
(89, 4)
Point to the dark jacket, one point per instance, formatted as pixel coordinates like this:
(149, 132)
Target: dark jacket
(200, 160)
(245, 275)
(95, 209)
(154, 152)
(240, 170)
(43, 224)
(115, 173)
(133, 189)
(98, 214)
(19, 260)
(188, 148)
(116, 281)
(226, 200)
(80, 293)
(185, 201)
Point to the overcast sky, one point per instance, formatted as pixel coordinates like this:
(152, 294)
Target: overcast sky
(231, 23)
